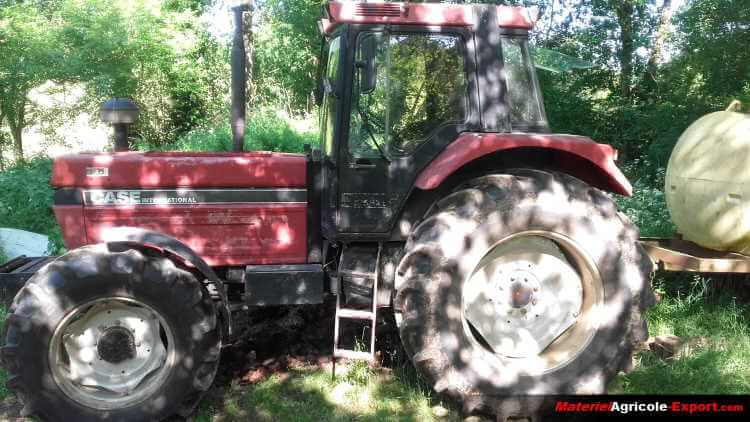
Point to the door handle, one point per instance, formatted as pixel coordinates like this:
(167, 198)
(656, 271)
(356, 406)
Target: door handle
(362, 163)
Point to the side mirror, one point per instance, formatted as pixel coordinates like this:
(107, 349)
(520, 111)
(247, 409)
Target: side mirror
(366, 64)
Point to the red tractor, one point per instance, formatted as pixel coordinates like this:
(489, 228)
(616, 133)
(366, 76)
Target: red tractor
(438, 193)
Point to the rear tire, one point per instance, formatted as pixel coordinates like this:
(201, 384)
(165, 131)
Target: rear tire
(70, 298)
(454, 241)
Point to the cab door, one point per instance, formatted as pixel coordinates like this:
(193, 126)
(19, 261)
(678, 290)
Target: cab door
(409, 100)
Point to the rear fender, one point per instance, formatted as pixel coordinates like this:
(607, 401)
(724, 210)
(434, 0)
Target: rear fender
(173, 249)
(470, 146)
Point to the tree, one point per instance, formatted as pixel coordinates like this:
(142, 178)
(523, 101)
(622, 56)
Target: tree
(287, 45)
(159, 55)
(28, 57)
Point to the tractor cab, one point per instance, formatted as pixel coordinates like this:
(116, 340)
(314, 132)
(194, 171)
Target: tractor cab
(403, 81)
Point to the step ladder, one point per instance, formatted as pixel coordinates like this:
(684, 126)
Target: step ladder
(356, 314)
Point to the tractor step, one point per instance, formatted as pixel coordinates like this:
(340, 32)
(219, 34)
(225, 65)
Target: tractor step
(365, 315)
(355, 314)
(353, 355)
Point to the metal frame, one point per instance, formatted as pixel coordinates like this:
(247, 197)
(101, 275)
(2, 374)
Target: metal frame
(16, 272)
(675, 254)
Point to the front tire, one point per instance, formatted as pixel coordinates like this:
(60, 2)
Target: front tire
(519, 285)
(114, 335)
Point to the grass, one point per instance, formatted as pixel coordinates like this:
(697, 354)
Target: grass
(310, 395)
(717, 359)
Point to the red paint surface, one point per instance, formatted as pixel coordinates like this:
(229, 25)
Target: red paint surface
(181, 169)
(437, 14)
(70, 219)
(513, 17)
(576, 152)
(222, 234)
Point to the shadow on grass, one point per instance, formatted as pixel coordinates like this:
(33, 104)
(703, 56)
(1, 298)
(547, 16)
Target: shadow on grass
(309, 395)
(715, 357)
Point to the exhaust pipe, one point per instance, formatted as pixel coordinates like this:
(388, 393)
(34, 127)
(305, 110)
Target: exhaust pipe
(238, 77)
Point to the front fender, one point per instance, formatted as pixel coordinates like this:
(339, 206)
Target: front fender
(470, 146)
(173, 249)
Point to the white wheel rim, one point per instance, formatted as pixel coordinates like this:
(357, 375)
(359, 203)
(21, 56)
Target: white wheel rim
(111, 353)
(532, 301)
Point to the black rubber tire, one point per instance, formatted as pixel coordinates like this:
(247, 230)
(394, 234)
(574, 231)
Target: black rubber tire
(447, 245)
(93, 272)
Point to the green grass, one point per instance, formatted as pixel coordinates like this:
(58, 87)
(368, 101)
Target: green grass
(718, 361)
(310, 395)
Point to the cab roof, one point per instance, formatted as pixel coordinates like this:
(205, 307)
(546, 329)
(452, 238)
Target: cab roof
(422, 14)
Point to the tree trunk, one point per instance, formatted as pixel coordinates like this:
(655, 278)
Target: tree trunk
(624, 10)
(15, 132)
(17, 121)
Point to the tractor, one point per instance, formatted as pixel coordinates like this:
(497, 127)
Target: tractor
(437, 195)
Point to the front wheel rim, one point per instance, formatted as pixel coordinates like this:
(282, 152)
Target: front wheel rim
(505, 315)
(111, 353)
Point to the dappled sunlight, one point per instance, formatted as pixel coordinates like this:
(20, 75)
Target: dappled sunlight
(547, 279)
(712, 354)
(309, 394)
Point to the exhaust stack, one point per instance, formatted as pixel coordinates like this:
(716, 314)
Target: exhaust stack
(238, 76)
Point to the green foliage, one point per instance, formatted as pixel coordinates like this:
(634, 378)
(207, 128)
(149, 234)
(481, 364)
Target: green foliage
(26, 200)
(287, 45)
(161, 56)
(265, 131)
(647, 208)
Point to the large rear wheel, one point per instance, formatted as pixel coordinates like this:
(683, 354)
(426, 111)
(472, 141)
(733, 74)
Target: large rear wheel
(520, 285)
(111, 335)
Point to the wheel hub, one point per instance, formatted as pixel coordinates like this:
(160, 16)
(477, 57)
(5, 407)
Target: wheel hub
(520, 295)
(524, 297)
(116, 344)
(110, 353)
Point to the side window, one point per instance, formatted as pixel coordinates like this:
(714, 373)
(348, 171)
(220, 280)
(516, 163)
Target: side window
(330, 97)
(406, 86)
(525, 101)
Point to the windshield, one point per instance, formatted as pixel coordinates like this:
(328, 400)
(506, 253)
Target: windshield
(526, 109)
(406, 87)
